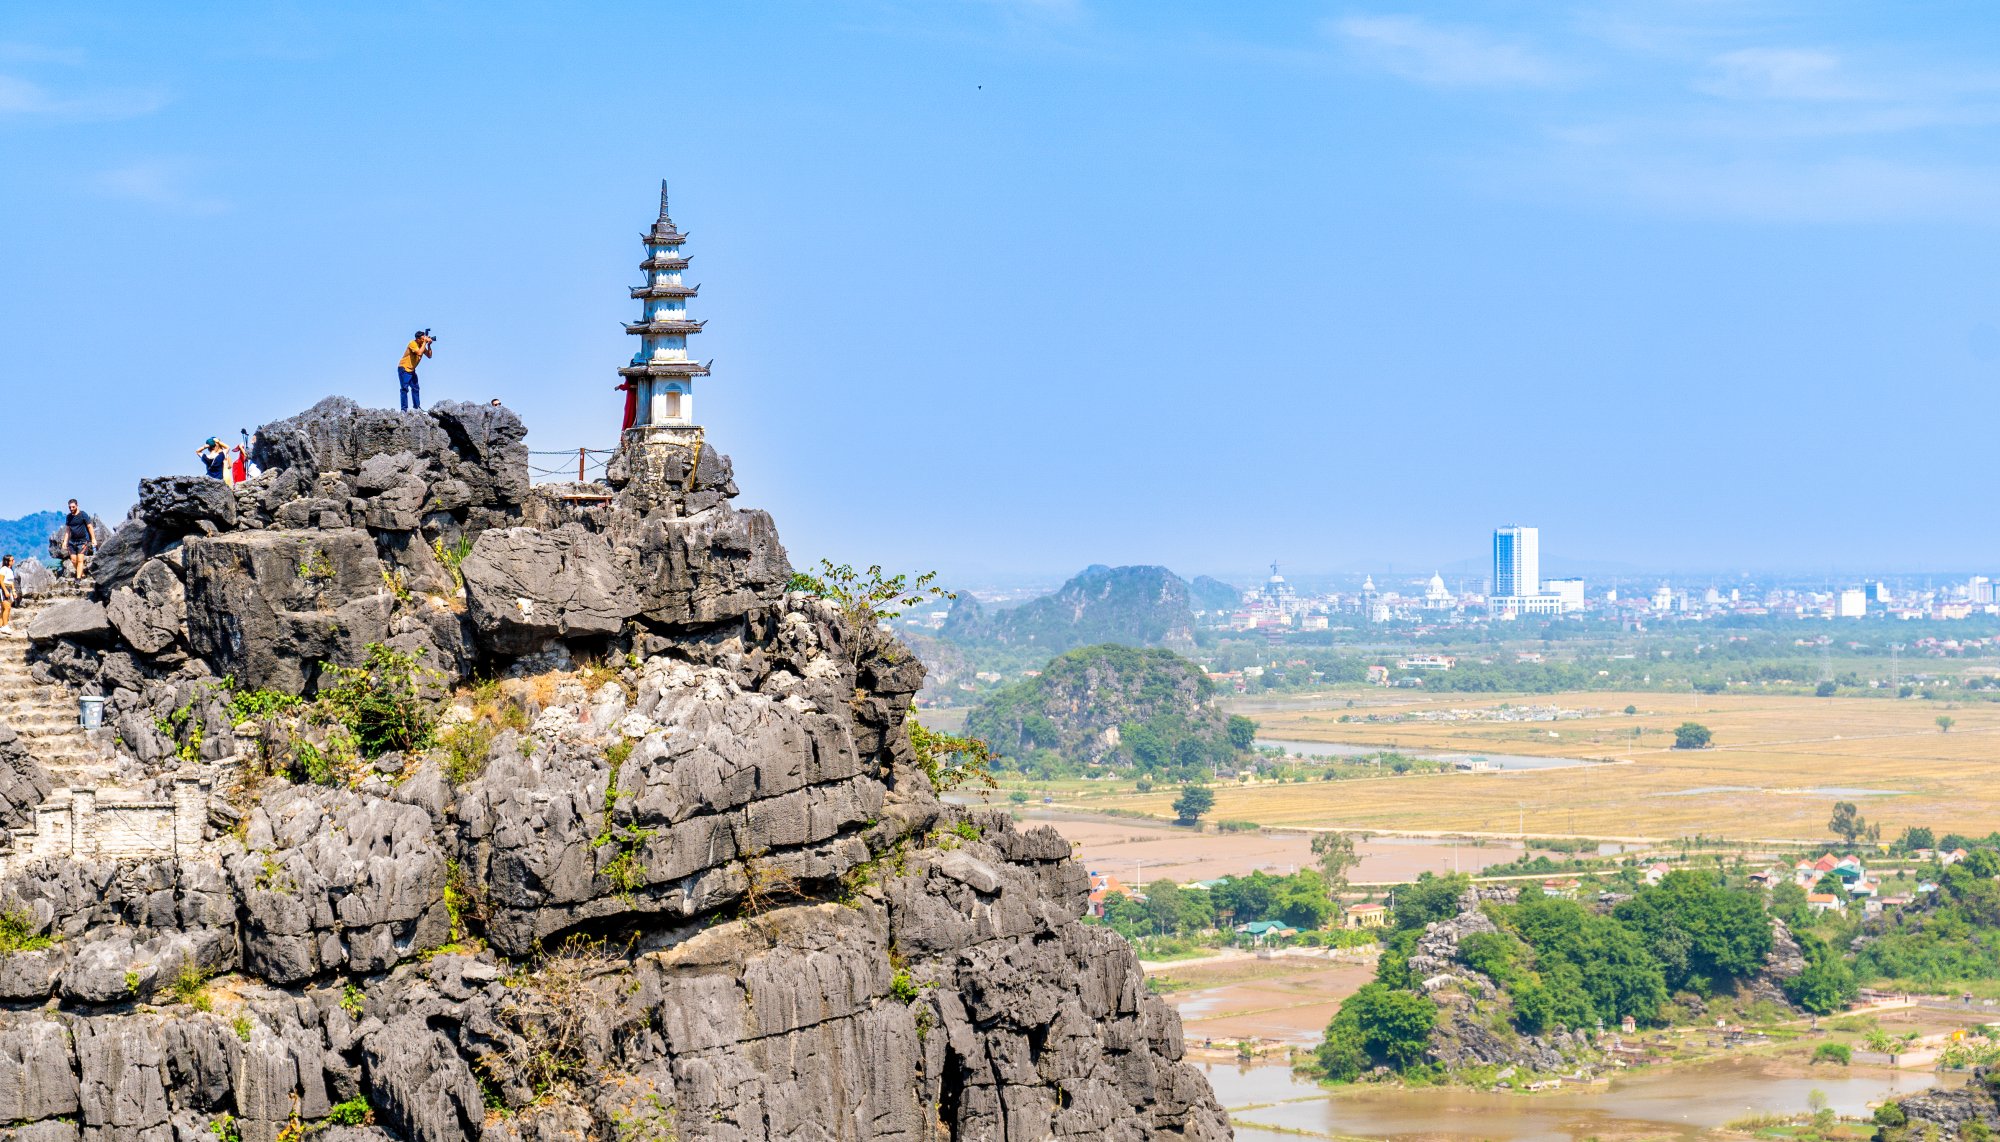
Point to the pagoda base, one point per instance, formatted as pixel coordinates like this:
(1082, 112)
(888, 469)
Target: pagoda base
(657, 466)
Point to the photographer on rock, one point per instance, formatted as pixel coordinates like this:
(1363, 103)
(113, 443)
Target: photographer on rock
(406, 369)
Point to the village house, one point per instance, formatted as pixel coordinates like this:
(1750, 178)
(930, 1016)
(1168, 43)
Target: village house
(1365, 916)
(1824, 902)
(1103, 885)
(1261, 930)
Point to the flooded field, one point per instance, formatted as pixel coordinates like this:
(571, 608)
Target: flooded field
(1287, 1000)
(1670, 1102)
(1138, 851)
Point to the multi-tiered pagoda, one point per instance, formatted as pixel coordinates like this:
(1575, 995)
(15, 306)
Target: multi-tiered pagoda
(659, 383)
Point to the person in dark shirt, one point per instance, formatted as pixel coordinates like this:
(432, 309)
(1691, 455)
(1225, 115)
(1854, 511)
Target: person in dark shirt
(214, 457)
(79, 539)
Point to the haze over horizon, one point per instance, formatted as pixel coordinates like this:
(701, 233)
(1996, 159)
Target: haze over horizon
(1010, 287)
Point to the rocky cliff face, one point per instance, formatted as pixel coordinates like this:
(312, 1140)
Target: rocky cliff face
(673, 872)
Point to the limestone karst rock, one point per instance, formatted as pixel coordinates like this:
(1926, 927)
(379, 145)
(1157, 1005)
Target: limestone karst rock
(673, 871)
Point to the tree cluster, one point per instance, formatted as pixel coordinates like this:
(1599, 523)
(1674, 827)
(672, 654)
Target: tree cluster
(1561, 964)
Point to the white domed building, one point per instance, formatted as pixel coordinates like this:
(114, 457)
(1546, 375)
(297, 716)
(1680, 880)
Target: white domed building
(1438, 597)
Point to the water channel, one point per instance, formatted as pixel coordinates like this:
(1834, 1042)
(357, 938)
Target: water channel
(1679, 1102)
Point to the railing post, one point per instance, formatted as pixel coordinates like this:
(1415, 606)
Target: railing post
(579, 465)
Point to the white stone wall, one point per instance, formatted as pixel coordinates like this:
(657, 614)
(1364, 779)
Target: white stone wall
(87, 827)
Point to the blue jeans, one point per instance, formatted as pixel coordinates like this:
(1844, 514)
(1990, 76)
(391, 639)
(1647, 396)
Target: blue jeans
(412, 398)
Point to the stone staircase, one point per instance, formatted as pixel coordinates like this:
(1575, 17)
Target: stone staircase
(46, 716)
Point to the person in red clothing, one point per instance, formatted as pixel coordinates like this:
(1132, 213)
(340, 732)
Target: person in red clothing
(631, 404)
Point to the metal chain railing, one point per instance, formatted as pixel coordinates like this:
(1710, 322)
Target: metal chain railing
(590, 463)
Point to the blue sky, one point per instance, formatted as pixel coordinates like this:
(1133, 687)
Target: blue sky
(1002, 286)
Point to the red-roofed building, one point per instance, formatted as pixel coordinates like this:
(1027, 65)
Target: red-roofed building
(1102, 885)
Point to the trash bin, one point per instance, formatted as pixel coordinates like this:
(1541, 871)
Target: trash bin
(90, 713)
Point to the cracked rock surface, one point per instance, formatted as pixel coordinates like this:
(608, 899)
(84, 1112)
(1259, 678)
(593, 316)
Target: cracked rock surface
(671, 872)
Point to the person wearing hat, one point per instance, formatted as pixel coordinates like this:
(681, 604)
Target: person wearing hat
(406, 369)
(214, 457)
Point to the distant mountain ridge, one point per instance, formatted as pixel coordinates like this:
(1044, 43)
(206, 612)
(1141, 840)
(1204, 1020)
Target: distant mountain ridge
(28, 537)
(1212, 594)
(1134, 606)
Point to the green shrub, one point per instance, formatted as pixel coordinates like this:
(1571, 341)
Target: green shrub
(1839, 1053)
(866, 594)
(385, 701)
(190, 987)
(467, 747)
(354, 1112)
(256, 705)
(949, 760)
(17, 934)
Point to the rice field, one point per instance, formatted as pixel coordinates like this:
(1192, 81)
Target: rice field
(1776, 767)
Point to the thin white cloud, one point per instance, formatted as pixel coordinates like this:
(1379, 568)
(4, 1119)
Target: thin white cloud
(1796, 190)
(1443, 55)
(15, 52)
(1779, 73)
(26, 99)
(162, 185)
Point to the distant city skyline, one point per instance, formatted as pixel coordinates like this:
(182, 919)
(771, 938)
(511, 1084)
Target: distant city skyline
(1024, 285)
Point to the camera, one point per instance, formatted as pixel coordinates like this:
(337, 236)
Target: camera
(429, 334)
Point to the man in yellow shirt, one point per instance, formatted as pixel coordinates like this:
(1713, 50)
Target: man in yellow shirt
(406, 369)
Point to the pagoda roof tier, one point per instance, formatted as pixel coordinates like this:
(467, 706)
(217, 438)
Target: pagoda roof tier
(667, 369)
(664, 326)
(664, 262)
(645, 291)
(664, 236)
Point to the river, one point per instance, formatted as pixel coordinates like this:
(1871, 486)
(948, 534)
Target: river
(1656, 1102)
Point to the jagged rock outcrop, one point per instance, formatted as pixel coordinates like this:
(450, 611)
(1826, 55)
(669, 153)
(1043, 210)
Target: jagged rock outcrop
(526, 588)
(1785, 960)
(672, 871)
(24, 784)
(1950, 1113)
(1466, 1034)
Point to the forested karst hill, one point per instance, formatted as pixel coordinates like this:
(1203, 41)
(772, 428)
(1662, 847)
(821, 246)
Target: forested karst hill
(1148, 710)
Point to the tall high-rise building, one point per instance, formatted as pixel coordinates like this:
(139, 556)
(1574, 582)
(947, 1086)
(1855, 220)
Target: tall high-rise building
(1517, 562)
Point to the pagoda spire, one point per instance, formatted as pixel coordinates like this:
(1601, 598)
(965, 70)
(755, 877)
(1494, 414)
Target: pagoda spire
(663, 202)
